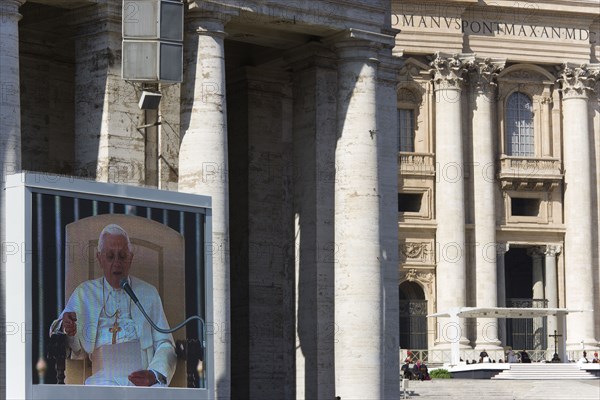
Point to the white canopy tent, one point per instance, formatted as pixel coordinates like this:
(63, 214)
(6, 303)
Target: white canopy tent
(504, 312)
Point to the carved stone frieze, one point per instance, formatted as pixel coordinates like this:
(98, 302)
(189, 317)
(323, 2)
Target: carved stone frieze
(419, 252)
(425, 278)
(415, 275)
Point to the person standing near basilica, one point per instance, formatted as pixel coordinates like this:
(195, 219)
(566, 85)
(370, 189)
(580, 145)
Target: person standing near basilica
(102, 324)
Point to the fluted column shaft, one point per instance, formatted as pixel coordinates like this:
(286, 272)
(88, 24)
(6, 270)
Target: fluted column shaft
(576, 83)
(358, 272)
(483, 102)
(449, 193)
(10, 129)
(203, 163)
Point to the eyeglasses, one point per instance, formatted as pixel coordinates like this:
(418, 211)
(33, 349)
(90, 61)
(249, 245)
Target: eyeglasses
(112, 256)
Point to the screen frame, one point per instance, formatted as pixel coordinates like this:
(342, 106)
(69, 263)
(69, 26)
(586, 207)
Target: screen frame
(17, 251)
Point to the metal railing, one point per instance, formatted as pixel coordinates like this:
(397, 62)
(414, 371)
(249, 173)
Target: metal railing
(443, 356)
(527, 333)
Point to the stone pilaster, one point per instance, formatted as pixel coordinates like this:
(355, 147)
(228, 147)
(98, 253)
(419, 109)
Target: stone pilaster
(359, 302)
(576, 84)
(551, 284)
(483, 99)
(448, 72)
(501, 249)
(108, 145)
(315, 80)
(203, 162)
(10, 130)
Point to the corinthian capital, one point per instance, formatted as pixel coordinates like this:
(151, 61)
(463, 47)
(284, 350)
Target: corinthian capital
(448, 70)
(484, 73)
(553, 249)
(502, 248)
(577, 81)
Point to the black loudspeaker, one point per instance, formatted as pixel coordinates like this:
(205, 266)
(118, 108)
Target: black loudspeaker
(149, 100)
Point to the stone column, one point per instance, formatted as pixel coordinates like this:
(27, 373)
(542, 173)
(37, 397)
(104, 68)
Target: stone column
(551, 286)
(203, 163)
(387, 128)
(10, 128)
(576, 83)
(537, 291)
(359, 301)
(501, 249)
(10, 97)
(314, 123)
(108, 146)
(483, 89)
(449, 192)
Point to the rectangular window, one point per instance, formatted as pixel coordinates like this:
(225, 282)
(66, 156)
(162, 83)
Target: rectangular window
(406, 130)
(409, 202)
(525, 207)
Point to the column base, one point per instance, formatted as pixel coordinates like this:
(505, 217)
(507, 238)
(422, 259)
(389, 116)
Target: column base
(464, 343)
(489, 345)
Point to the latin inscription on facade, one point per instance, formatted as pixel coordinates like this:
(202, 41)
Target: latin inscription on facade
(493, 28)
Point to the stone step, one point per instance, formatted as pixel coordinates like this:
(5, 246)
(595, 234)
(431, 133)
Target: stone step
(472, 389)
(544, 372)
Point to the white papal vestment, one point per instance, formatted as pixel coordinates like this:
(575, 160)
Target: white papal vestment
(96, 308)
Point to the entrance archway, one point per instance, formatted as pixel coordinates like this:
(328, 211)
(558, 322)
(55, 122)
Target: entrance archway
(413, 316)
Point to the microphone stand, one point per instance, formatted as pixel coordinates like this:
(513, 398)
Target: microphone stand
(201, 325)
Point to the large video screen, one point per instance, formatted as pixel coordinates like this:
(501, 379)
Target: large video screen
(84, 241)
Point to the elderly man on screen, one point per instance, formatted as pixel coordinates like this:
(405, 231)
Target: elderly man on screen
(103, 323)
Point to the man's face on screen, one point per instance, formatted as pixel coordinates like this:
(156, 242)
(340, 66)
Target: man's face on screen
(115, 259)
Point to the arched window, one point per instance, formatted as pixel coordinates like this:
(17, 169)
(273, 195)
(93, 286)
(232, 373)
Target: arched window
(519, 125)
(413, 316)
(407, 111)
(406, 131)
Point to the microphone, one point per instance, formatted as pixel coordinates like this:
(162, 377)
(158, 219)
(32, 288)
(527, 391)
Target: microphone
(201, 325)
(201, 330)
(125, 286)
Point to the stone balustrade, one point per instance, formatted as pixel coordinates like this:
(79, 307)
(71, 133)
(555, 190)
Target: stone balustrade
(530, 173)
(416, 164)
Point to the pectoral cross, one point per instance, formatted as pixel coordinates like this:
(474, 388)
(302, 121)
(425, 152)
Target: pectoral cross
(115, 329)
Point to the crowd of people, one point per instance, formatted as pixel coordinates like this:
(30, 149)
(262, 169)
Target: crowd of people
(418, 370)
(584, 359)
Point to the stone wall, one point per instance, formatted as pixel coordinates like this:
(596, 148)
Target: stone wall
(47, 90)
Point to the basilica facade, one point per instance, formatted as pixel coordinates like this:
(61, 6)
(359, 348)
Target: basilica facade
(369, 162)
(498, 171)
